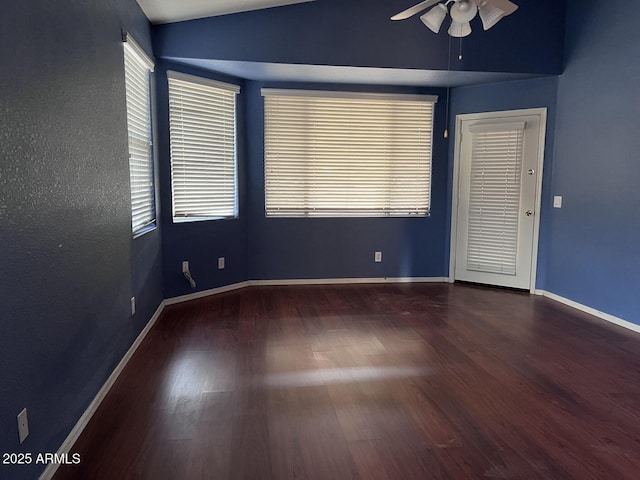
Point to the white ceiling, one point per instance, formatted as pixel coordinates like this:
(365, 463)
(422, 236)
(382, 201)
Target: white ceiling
(167, 11)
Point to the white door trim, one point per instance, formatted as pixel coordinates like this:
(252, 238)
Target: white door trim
(542, 113)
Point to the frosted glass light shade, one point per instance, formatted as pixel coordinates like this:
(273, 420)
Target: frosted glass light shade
(464, 11)
(490, 16)
(434, 17)
(492, 13)
(459, 29)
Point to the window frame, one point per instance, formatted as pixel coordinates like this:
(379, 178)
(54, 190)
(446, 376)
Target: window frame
(215, 87)
(303, 156)
(134, 54)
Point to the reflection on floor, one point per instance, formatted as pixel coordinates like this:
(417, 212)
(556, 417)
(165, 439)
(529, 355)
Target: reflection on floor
(373, 382)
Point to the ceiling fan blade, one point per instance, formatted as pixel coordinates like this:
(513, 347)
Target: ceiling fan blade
(410, 12)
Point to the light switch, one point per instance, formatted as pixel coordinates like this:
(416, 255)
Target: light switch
(557, 201)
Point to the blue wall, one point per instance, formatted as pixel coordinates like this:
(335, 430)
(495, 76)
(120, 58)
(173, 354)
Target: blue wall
(68, 265)
(323, 33)
(359, 33)
(291, 248)
(203, 242)
(594, 255)
(259, 248)
(539, 92)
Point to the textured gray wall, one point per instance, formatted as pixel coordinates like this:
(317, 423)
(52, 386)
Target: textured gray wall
(68, 264)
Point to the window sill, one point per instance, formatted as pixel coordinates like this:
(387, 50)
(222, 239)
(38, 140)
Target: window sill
(346, 216)
(145, 230)
(200, 219)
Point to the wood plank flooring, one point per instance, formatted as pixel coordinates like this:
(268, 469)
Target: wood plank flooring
(430, 381)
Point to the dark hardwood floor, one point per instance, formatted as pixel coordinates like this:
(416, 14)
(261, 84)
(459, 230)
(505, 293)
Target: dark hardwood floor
(371, 382)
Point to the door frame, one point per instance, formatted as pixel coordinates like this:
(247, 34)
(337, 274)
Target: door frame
(542, 113)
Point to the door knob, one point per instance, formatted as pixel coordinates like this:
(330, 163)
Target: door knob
(528, 213)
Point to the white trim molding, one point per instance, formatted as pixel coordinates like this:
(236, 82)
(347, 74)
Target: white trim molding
(347, 281)
(591, 311)
(302, 281)
(206, 293)
(81, 424)
(75, 433)
(498, 115)
(266, 92)
(77, 430)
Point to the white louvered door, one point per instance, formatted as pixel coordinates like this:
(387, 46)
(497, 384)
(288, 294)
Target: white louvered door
(497, 185)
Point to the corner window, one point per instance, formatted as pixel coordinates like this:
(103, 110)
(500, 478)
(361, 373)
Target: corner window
(343, 154)
(138, 67)
(202, 122)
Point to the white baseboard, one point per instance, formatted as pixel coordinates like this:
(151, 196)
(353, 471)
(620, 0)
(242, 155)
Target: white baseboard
(301, 281)
(73, 436)
(206, 293)
(346, 281)
(591, 311)
(93, 407)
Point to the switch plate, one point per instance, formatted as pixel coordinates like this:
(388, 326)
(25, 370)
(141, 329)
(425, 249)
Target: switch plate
(221, 263)
(23, 425)
(377, 257)
(185, 266)
(557, 201)
(133, 306)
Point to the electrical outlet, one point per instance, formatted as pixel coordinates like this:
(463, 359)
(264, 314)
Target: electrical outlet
(185, 266)
(23, 425)
(557, 201)
(133, 306)
(221, 263)
(377, 257)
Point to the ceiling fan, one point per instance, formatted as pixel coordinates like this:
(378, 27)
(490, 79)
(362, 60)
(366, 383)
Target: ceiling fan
(462, 12)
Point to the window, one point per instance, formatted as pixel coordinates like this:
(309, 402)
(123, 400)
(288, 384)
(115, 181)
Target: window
(137, 70)
(202, 122)
(339, 154)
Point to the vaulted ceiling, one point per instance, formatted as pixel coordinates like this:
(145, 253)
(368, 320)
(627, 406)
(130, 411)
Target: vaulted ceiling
(166, 11)
(354, 41)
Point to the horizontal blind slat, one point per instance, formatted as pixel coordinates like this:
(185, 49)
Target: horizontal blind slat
(347, 156)
(202, 129)
(138, 100)
(494, 202)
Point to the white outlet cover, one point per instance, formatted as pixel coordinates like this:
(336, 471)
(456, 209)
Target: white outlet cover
(377, 257)
(221, 263)
(557, 201)
(133, 306)
(23, 425)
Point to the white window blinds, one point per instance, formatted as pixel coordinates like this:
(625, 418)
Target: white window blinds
(137, 67)
(331, 154)
(202, 122)
(494, 199)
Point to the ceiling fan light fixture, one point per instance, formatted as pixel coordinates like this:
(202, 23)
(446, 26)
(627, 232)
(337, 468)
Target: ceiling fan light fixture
(433, 18)
(463, 11)
(490, 16)
(459, 29)
(491, 12)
